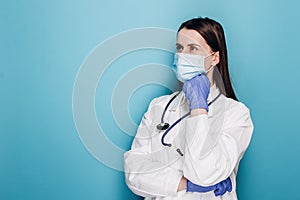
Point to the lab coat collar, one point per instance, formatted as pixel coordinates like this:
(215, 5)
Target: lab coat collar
(180, 99)
(214, 92)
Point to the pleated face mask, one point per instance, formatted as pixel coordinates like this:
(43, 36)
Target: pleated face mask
(187, 66)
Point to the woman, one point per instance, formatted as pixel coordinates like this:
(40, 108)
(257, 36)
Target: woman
(189, 144)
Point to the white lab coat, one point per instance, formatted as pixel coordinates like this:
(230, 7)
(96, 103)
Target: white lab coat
(212, 144)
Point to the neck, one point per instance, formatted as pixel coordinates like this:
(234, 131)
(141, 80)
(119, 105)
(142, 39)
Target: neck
(210, 77)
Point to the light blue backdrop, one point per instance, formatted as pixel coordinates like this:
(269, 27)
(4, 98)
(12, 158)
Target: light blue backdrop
(43, 44)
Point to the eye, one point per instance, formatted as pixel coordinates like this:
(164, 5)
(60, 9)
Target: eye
(193, 48)
(179, 48)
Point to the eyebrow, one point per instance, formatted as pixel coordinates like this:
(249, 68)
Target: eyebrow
(192, 44)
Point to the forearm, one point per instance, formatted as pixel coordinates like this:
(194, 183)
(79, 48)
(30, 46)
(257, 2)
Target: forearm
(207, 160)
(150, 178)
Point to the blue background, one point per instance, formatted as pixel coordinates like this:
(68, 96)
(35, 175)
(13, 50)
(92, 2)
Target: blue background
(43, 44)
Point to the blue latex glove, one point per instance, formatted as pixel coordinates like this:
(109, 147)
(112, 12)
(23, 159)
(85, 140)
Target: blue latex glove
(219, 188)
(223, 186)
(196, 91)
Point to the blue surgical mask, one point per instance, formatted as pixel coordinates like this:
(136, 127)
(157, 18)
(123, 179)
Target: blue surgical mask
(187, 66)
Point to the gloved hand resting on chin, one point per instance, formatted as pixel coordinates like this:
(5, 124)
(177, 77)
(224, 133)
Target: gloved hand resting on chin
(196, 91)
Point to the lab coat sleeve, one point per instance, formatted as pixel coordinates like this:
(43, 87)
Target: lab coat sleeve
(143, 176)
(210, 159)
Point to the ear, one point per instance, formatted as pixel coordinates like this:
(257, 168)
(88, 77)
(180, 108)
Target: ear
(216, 58)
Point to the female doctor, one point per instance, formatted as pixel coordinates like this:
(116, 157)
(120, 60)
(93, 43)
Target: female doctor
(189, 144)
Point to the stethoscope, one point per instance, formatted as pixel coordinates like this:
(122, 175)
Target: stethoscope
(166, 126)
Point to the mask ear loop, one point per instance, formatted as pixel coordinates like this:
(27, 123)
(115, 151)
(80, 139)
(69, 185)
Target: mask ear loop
(212, 66)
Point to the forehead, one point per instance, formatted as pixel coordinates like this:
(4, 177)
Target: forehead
(189, 36)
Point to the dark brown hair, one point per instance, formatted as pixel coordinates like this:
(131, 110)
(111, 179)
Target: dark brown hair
(213, 34)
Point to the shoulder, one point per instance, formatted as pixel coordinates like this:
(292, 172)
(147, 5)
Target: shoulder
(235, 106)
(162, 100)
(237, 112)
(157, 104)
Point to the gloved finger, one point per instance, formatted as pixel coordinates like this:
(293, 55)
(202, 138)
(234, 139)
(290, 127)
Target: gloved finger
(219, 189)
(229, 184)
(224, 186)
(189, 91)
(217, 193)
(186, 85)
(204, 78)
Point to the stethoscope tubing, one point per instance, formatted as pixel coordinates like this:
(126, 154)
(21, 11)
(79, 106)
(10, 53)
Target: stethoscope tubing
(177, 121)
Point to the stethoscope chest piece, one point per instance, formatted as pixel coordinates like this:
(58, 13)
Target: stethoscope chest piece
(162, 126)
